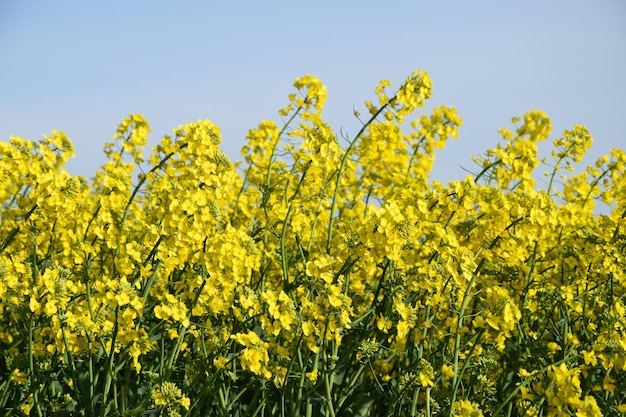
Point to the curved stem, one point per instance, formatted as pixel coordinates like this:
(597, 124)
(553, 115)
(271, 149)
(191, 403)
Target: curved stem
(344, 160)
(457, 340)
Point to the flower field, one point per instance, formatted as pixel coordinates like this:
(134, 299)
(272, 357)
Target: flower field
(324, 276)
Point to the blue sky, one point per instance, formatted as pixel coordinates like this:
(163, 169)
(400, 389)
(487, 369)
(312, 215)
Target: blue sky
(81, 66)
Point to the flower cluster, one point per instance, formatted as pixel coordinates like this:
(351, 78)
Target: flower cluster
(320, 278)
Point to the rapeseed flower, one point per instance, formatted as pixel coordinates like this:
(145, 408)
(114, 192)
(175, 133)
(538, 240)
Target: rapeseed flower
(321, 277)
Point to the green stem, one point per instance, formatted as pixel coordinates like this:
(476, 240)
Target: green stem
(527, 381)
(344, 160)
(70, 361)
(457, 339)
(531, 275)
(594, 184)
(144, 178)
(273, 154)
(309, 405)
(16, 230)
(181, 337)
(283, 234)
(487, 168)
(91, 377)
(328, 382)
(554, 174)
(31, 367)
(110, 368)
(349, 388)
(414, 403)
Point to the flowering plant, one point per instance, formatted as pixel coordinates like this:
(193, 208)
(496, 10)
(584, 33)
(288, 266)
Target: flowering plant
(318, 278)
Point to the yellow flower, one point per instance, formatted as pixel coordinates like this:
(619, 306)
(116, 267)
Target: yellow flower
(168, 395)
(26, 407)
(447, 371)
(312, 376)
(589, 408)
(19, 377)
(553, 347)
(383, 324)
(465, 408)
(335, 298)
(589, 357)
(185, 402)
(220, 362)
(566, 389)
(276, 260)
(608, 384)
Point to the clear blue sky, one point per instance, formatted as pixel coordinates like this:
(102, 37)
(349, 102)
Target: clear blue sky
(81, 66)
